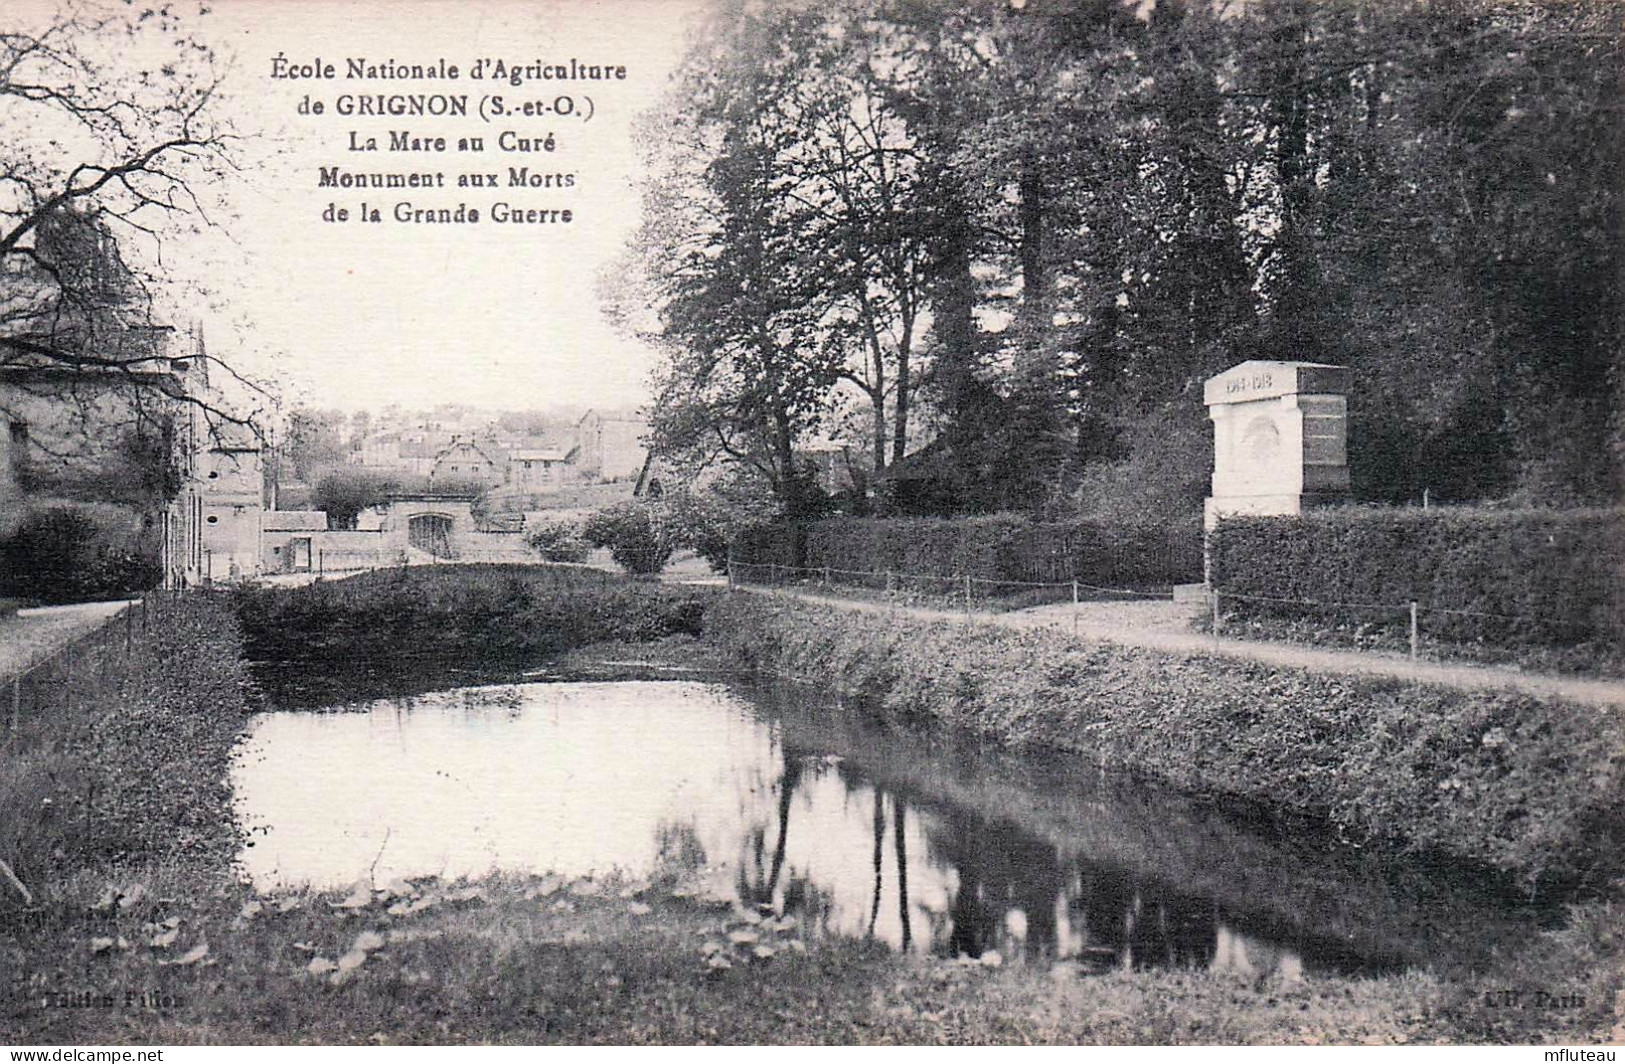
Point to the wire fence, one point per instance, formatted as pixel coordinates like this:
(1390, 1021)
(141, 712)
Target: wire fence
(975, 593)
(965, 592)
(55, 682)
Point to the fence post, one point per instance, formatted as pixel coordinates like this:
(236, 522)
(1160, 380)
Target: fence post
(773, 573)
(967, 596)
(826, 576)
(888, 581)
(129, 629)
(1218, 619)
(1415, 635)
(730, 571)
(1075, 608)
(16, 703)
(321, 563)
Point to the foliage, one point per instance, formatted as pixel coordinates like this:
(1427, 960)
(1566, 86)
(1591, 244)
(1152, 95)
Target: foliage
(1496, 578)
(723, 255)
(1474, 774)
(1164, 469)
(313, 441)
(557, 541)
(460, 612)
(1095, 208)
(78, 553)
(1004, 547)
(104, 162)
(345, 491)
(636, 533)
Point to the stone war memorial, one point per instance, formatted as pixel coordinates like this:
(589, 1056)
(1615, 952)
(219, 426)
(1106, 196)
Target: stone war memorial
(1280, 438)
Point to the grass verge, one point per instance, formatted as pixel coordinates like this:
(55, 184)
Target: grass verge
(131, 763)
(1532, 788)
(541, 960)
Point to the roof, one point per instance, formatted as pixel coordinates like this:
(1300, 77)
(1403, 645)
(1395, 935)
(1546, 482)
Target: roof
(551, 454)
(467, 445)
(614, 415)
(231, 436)
(930, 462)
(295, 521)
(432, 496)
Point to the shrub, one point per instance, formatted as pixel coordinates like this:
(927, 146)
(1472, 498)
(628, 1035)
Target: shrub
(638, 534)
(1003, 547)
(704, 523)
(77, 553)
(558, 541)
(1515, 578)
(1529, 786)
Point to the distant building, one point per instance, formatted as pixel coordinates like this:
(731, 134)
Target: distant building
(610, 446)
(230, 484)
(540, 468)
(464, 462)
(286, 540)
(380, 451)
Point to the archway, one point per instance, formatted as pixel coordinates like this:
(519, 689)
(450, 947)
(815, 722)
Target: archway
(431, 533)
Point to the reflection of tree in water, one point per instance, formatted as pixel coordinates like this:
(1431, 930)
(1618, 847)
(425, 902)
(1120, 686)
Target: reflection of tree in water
(678, 847)
(1140, 922)
(758, 879)
(1009, 890)
(1002, 872)
(1017, 895)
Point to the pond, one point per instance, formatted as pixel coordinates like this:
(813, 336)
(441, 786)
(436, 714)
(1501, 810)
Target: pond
(783, 798)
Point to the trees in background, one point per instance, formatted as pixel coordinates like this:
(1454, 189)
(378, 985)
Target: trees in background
(1026, 233)
(344, 491)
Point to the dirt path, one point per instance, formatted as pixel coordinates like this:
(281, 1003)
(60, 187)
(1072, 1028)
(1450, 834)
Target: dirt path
(31, 635)
(1164, 625)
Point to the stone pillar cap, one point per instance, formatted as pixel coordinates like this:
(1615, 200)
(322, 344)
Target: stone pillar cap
(1265, 379)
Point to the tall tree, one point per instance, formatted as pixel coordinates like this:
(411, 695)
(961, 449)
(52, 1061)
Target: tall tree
(740, 303)
(101, 163)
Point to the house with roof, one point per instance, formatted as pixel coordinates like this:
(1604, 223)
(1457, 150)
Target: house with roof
(464, 462)
(610, 446)
(538, 468)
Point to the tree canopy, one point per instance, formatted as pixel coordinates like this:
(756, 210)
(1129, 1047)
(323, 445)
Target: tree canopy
(1023, 233)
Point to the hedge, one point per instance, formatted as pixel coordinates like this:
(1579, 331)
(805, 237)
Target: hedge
(1527, 578)
(484, 613)
(1533, 788)
(1005, 547)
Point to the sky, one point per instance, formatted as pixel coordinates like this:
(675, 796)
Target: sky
(359, 315)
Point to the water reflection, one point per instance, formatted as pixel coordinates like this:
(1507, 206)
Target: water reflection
(587, 777)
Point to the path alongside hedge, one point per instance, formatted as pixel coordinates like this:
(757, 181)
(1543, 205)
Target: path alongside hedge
(1530, 786)
(1121, 623)
(31, 636)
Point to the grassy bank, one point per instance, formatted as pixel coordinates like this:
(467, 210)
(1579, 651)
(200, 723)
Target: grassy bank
(540, 960)
(1533, 789)
(493, 613)
(130, 765)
